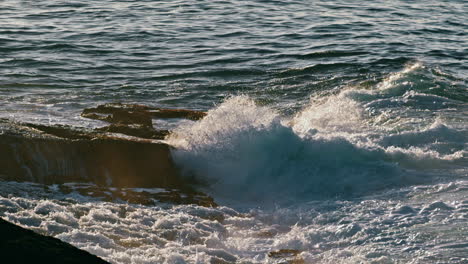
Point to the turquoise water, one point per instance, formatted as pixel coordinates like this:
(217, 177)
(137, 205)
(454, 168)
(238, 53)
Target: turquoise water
(335, 128)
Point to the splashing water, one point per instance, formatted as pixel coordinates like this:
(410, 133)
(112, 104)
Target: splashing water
(337, 146)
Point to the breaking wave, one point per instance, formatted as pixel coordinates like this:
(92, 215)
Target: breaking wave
(350, 143)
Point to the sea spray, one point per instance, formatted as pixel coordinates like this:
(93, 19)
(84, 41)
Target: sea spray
(347, 144)
(241, 147)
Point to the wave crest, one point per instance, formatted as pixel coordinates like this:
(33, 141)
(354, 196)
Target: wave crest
(345, 144)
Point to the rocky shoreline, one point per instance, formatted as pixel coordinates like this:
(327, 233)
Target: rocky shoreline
(97, 163)
(106, 157)
(136, 120)
(126, 161)
(32, 155)
(19, 245)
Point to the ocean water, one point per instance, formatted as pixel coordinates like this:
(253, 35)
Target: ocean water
(337, 130)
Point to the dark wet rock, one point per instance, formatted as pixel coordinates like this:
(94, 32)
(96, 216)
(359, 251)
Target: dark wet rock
(135, 131)
(289, 256)
(177, 113)
(121, 117)
(106, 162)
(140, 196)
(63, 131)
(138, 114)
(60, 155)
(19, 245)
(283, 253)
(136, 120)
(30, 155)
(28, 130)
(177, 197)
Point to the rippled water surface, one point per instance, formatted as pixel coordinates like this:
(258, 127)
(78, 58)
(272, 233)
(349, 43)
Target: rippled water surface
(336, 130)
(60, 56)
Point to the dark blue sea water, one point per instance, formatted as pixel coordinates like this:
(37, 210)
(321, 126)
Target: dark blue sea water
(60, 56)
(335, 128)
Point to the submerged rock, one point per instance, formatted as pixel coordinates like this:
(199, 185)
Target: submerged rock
(284, 253)
(287, 256)
(19, 245)
(141, 195)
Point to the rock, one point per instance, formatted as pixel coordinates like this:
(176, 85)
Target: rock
(61, 154)
(135, 131)
(19, 245)
(61, 131)
(289, 256)
(142, 196)
(136, 120)
(284, 253)
(137, 114)
(177, 113)
(119, 115)
(32, 155)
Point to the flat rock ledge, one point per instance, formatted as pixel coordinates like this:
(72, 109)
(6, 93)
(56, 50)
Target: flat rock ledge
(62, 154)
(52, 155)
(22, 246)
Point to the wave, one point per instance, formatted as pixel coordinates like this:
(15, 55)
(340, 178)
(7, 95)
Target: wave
(345, 144)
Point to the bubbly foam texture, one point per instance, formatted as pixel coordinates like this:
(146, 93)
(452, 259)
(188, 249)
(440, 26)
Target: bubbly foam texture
(400, 226)
(339, 145)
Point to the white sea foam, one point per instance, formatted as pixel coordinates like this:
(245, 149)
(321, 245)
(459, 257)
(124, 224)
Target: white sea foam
(375, 228)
